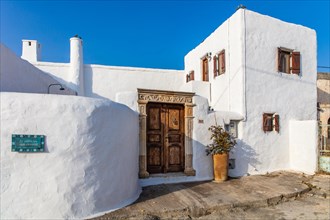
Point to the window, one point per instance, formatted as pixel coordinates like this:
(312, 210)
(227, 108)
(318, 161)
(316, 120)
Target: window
(288, 61)
(270, 122)
(232, 128)
(219, 64)
(190, 76)
(205, 69)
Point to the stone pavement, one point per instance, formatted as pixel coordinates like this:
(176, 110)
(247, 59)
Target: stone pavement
(192, 200)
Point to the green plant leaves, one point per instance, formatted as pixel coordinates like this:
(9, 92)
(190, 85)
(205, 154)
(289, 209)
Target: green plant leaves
(222, 141)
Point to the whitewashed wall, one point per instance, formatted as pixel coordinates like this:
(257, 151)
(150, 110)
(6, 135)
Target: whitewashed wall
(226, 89)
(303, 138)
(90, 165)
(18, 75)
(267, 91)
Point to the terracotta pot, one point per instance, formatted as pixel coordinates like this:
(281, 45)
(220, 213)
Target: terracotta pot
(220, 167)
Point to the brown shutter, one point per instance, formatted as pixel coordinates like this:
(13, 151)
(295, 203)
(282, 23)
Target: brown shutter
(277, 123)
(267, 122)
(279, 64)
(296, 63)
(223, 62)
(264, 122)
(192, 75)
(215, 69)
(187, 78)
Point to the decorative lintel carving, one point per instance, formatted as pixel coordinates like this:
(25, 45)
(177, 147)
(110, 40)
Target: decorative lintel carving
(165, 96)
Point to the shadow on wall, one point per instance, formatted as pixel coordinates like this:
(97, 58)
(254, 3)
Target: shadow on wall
(88, 83)
(246, 159)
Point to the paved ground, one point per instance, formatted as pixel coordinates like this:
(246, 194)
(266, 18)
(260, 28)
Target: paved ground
(280, 195)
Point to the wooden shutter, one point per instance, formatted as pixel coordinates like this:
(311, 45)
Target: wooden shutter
(223, 61)
(192, 75)
(279, 63)
(295, 63)
(187, 78)
(215, 66)
(277, 123)
(267, 122)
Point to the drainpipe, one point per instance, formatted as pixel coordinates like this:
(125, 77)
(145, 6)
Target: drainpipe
(77, 64)
(244, 109)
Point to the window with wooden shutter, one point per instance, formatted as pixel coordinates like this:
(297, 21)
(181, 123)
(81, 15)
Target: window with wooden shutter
(215, 66)
(270, 122)
(205, 69)
(267, 122)
(295, 59)
(288, 61)
(192, 75)
(222, 62)
(187, 78)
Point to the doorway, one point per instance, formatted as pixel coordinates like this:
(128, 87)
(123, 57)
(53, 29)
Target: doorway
(165, 138)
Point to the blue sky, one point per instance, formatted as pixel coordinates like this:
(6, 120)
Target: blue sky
(155, 34)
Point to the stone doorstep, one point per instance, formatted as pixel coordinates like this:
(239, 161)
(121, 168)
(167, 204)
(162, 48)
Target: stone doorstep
(201, 199)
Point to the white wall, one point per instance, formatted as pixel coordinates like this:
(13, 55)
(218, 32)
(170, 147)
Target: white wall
(90, 165)
(303, 146)
(226, 89)
(18, 75)
(267, 91)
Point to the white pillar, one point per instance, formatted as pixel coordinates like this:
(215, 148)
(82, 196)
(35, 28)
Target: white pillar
(77, 64)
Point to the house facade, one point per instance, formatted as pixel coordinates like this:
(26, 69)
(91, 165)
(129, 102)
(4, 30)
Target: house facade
(254, 75)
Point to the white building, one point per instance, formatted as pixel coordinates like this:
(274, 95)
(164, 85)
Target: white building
(128, 127)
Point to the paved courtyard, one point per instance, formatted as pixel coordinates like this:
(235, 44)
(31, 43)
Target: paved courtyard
(279, 195)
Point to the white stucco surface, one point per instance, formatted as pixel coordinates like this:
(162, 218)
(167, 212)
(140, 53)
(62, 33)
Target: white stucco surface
(18, 75)
(91, 159)
(225, 92)
(292, 97)
(303, 146)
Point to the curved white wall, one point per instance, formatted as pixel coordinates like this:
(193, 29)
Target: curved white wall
(91, 159)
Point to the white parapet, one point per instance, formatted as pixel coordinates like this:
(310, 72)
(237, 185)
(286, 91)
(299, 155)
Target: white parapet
(76, 63)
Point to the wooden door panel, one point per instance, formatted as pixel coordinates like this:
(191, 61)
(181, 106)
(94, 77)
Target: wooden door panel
(154, 119)
(154, 139)
(165, 138)
(174, 155)
(174, 119)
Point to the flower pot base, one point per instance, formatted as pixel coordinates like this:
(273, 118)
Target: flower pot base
(220, 165)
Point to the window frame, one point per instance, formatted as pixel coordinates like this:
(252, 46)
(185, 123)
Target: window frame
(293, 63)
(270, 122)
(219, 63)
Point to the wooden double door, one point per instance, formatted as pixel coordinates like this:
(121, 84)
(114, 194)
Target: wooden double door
(165, 138)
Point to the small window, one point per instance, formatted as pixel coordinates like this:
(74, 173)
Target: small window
(288, 61)
(190, 76)
(30, 43)
(270, 122)
(219, 64)
(205, 69)
(232, 128)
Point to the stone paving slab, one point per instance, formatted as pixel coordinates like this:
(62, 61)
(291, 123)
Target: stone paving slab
(201, 198)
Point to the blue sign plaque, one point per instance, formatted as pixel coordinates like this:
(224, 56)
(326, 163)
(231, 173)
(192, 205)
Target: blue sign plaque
(27, 143)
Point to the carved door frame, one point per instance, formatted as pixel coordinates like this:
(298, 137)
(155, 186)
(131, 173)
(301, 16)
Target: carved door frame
(160, 96)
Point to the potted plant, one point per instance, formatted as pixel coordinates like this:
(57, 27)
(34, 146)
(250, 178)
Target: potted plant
(222, 143)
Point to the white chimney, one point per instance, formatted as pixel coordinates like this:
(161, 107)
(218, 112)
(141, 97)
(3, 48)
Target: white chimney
(77, 64)
(31, 50)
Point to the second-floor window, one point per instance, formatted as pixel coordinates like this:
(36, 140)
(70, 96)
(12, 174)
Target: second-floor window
(288, 61)
(219, 63)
